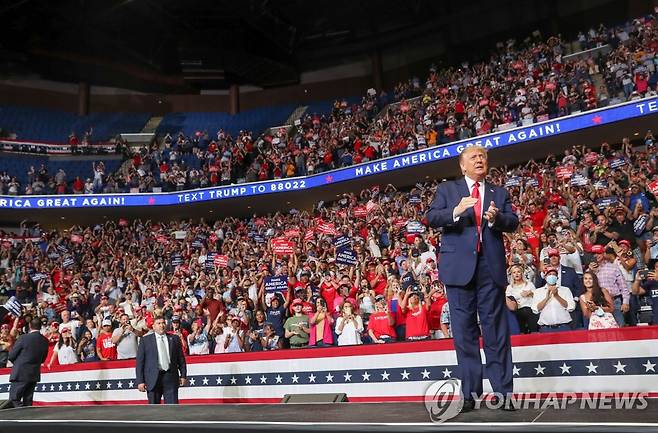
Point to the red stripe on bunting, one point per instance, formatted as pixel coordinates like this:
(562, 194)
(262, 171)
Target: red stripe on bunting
(569, 337)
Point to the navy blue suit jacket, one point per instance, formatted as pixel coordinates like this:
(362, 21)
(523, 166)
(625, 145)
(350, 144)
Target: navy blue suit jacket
(458, 253)
(27, 355)
(147, 359)
(568, 278)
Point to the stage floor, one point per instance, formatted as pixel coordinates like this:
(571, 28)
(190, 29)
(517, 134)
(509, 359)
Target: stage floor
(338, 417)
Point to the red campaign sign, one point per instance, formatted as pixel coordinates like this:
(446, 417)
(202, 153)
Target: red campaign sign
(309, 236)
(400, 222)
(291, 233)
(76, 239)
(326, 228)
(360, 211)
(259, 222)
(653, 187)
(342, 213)
(591, 158)
(221, 261)
(281, 246)
(123, 222)
(370, 206)
(563, 172)
(162, 239)
(212, 238)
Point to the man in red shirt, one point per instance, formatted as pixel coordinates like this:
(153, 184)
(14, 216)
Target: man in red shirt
(105, 349)
(380, 323)
(213, 305)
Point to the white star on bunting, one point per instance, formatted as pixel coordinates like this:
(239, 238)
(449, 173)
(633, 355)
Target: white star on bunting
(591, 368)
(366, 376)
(247, 380)
(566, 369)
(130, 384)
(77, 386)
(87, 386)
(311, 378)
(205, 381)
(219, 380)
(649, 366)
(425, 373)
(278, 378)
(295, 378)
(192, 381)
(619, 367)
(539, 369)
(348, 377)
(405, 375)
(263, 379)
(516, 371)
(119, 385)
(446, 373)
(385, 375)
(330, 377)
(234, 380)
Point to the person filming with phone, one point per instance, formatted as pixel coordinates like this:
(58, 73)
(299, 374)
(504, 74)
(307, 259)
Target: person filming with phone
(646, 283)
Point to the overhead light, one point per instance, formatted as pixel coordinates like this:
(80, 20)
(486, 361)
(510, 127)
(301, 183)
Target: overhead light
(427, 177)
(210, 211)
(248, 207)
(62, 218)
(636, 134)
(287, 202)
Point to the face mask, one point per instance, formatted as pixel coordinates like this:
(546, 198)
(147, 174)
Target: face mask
(551, 280)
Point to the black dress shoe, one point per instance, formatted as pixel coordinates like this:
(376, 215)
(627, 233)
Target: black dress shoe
(468, 406)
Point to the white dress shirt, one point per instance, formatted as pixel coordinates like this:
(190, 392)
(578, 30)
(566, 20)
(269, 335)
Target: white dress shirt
(521, 301)
(553, 313)
(163, 351)
(469, 183)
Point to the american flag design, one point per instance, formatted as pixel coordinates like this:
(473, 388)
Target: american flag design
(624, 360)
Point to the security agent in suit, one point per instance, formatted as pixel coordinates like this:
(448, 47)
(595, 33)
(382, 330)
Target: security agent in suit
(161, 367)
(472, 267)
(27, 355)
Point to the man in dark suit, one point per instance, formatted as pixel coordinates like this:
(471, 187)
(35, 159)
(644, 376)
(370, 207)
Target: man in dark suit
(27, 355)
(473, 215)
(161, 366)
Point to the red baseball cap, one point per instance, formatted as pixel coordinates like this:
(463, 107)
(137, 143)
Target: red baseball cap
(549, 269)
(624, 242)
(297, 302)
(598, 249)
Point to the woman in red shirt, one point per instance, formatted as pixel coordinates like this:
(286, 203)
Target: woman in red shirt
(380, 323)
(416, 313)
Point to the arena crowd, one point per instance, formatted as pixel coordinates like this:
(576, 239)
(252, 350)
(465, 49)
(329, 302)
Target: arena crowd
(520, 83)
(360, 270)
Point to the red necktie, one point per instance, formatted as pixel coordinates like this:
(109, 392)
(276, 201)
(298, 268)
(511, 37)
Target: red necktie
(478, 211)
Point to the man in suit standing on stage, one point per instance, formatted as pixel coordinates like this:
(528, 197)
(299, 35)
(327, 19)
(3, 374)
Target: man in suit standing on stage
(161, 367)
(473, 215)
(27, 355)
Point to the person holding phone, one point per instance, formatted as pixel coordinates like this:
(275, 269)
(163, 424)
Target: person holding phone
(646, 283)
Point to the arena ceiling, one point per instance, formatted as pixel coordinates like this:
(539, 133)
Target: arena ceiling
(183, 46)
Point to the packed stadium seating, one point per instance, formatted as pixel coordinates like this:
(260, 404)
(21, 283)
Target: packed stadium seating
(215, 279)
(519, 84)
